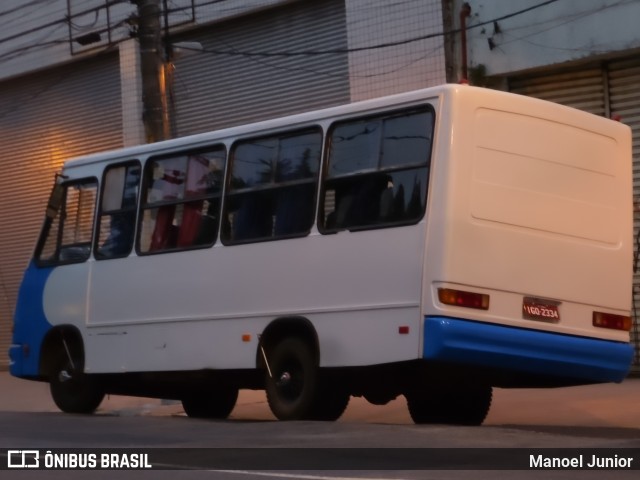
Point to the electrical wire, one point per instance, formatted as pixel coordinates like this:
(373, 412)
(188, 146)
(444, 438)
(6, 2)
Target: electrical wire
(256, 55)
(32, 3)
(570, 19)
(234, 52)
(65, 20)
(370, 47)
(543, 22)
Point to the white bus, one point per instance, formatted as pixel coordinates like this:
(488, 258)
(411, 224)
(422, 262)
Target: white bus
(433, 244)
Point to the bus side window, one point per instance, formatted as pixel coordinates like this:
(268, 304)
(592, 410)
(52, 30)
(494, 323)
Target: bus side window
(377, 171)
(272, 187)
(117, 218)
(67, 232)
(181, 202)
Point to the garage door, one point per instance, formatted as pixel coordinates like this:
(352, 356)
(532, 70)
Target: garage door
(45, 119)
(213, 89)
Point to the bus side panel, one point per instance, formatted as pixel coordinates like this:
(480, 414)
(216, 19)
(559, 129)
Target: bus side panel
(30, 323)
(190, 310)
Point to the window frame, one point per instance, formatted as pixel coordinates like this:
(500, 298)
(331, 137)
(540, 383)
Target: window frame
(147, 182)
(381, 116)
(274, 184)
(101, 212)
(49, 223)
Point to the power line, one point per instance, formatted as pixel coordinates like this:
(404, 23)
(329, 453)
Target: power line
(564, 21)
(66, 20)
(369, 47)
(234, 52)
(24, 5)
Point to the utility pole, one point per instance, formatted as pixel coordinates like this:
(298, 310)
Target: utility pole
(155, 112)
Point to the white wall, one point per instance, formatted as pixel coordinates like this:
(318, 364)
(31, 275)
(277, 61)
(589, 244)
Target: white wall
(566, 30)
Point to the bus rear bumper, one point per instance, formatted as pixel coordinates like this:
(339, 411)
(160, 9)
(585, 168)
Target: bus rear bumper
(468, 342)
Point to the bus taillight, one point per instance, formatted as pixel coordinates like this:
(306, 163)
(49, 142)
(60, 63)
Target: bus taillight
(460, 298)
(610, 320)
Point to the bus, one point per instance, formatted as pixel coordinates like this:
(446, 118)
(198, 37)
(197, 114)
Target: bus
(433, 244)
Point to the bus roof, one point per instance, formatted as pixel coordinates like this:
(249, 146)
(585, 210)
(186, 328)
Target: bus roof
(400, 100)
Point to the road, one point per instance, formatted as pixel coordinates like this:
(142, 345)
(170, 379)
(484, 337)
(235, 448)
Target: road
(578, 418)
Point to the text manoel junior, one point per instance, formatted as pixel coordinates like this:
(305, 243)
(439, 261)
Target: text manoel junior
(540, 461)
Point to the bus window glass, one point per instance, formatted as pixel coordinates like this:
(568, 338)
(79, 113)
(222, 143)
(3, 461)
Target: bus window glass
(167, 179)
(182, 200)
(354, 147)
(118, 211)
(272, 187)
(404, 141)
(378, 171)
(67, 237)
(298, 158)
(253, 163)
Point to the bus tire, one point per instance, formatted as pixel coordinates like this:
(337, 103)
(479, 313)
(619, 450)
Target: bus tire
(453, 406)
(293, 384)
(72, 390)
(215, 404)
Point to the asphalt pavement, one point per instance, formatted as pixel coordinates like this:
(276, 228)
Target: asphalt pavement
(606, 405)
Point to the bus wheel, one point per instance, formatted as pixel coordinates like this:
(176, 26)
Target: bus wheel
(211, 404)
(71, 389)
(293, 383)
(454, 406)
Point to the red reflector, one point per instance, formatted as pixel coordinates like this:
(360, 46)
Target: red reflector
(460, 298)
(609, 320)
(404, 330)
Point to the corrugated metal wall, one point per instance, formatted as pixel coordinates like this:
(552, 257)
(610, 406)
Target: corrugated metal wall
(581, 89)
(610, 89)
(46, 118)
(624, 95)
(214, 90)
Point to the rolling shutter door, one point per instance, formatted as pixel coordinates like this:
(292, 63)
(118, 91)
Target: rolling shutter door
(624, 94)
(46, 118)
(213, 91)
(582, 89)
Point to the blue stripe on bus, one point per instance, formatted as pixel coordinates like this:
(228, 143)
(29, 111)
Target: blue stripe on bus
(30, 323)
(522, 350)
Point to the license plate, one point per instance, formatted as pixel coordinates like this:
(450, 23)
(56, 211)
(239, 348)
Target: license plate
(540, 309)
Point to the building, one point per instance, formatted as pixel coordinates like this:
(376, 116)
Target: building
(71, 81)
